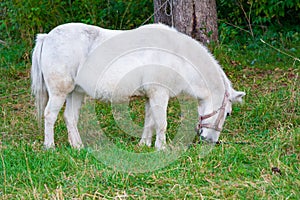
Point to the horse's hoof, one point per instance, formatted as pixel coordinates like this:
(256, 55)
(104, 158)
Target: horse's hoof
(161, 147)
(145, 142)
(77, 146)
(48, 146)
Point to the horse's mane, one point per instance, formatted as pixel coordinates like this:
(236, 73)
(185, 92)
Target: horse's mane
(225, 79)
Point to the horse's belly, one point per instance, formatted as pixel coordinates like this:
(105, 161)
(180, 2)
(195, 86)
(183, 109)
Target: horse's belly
(118, 88)
(136, 74)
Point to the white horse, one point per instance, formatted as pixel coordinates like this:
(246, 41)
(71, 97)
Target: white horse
(70, 50)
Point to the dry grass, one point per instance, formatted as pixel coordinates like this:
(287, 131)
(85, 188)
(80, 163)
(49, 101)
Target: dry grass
(268, 121)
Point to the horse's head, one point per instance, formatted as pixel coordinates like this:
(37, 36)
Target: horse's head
(210, 125)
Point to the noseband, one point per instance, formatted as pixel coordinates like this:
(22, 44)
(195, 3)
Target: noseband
(216, 126)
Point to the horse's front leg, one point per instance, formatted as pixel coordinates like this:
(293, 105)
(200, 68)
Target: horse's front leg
(149, 126)
(158, 105)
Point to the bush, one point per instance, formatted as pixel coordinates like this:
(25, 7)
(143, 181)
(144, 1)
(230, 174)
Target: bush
(259, 12)
(22, 19)
(246, 18)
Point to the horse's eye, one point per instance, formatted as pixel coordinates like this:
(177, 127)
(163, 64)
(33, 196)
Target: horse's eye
(228, 114)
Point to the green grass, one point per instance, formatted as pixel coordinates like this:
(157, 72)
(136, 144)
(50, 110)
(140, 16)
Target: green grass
(267, 122)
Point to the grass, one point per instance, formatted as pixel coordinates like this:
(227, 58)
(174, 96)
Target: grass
(262, 133)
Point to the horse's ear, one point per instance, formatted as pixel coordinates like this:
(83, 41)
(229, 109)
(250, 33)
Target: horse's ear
(237, 96)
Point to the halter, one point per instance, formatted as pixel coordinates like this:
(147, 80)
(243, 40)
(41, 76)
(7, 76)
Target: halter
(216, 126)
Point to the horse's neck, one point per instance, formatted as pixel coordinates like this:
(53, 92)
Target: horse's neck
(226, 81)
(218, 92)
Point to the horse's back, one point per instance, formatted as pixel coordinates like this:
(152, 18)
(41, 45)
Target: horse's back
(64, 49)
(68, 44)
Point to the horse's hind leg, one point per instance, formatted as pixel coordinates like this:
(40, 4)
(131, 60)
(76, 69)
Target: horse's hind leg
(71, 115)
(59, 85)
(52, 109)
(149, 126)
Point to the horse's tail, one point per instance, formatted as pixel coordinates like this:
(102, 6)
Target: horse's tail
(38, 87)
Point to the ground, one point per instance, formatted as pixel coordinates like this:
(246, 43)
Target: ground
(258, 157)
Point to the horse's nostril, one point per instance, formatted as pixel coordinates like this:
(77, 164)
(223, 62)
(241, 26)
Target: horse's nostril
(200, 132)
(206, 139)
(203, 138)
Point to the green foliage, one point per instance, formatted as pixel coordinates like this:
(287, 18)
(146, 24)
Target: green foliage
(268, 122)
(239, 20)
(21, 20)
(250, 18)
(261, 12)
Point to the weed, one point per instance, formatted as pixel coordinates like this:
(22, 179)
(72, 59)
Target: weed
(262, 134)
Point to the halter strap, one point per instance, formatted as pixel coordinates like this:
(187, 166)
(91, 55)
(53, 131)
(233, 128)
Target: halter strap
(216, 126)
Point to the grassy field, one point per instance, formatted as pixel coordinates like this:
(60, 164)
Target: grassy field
(258, 158)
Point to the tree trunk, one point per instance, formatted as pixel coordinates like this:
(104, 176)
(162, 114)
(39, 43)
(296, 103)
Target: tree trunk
(196, 18)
